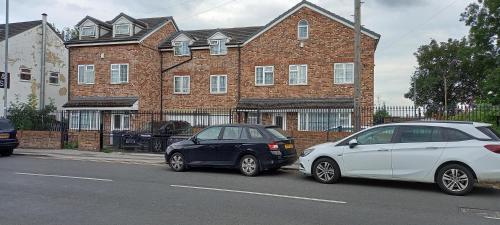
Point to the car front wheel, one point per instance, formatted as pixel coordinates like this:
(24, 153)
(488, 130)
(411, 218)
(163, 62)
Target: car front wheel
(455, 179)
(249, 166)
(177, 162)
(326, 171)
(7, 152)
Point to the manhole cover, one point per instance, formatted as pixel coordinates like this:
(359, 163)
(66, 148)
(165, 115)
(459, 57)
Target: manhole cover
(486, 213)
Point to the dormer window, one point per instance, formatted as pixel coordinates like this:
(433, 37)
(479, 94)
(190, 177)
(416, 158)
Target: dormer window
(88, 31)
(122, 29)
(218, 47)
(181, 48)
(303, 30)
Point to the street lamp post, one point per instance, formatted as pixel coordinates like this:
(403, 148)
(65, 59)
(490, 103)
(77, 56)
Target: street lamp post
(6, 72)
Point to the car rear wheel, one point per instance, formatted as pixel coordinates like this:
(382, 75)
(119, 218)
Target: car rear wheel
(157, 145)
(455, 179)
(326, 171)
(7, 152)
(249, 166)
(177, 162)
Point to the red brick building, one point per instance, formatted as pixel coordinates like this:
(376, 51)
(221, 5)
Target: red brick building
(299, 63)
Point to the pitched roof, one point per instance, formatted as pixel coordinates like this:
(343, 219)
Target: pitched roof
(17, 28)
(151, 25)
(294, 103)
(133, 20)
(96, 21)
(237, 35)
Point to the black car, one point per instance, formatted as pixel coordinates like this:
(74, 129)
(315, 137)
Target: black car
(153, 135)
(8, 139)
(250, 148)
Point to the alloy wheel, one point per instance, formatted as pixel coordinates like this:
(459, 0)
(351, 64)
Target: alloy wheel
(248, 165)
(455, 180)
(325, 171)
(177, 162)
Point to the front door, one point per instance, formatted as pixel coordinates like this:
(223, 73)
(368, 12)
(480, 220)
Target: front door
(279, 120)
(119, 122)
(371, 158)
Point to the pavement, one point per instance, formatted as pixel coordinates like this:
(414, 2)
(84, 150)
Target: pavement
(48, 190)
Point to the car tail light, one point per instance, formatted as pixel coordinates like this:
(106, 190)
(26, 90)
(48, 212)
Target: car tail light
(493, 148)
(273, 146)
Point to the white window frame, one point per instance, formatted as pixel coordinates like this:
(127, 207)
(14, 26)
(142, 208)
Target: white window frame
(297, 69)
(283, 115)
(119, 72)
(85, 81)
(305, 116)
(344, 74)
(218, 43)
(122, 24)
(182, 45)
(92, 34)
(299, 26)
(51, 76)
(123, 118)
(218, 85)
(25, 73)
(264, 75)
(93, 125)
(182, 84)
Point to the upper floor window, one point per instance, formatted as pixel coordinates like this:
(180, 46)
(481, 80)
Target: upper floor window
(218, 84)
(122, 29)
(264, 75)
(86, 74)
(54, 78)
(297, 75)
(343, 73)
(182, 84)
(25, 74)
(88, 31)
(218, 47)
(181, 48)
(303, 30)
(119, 73)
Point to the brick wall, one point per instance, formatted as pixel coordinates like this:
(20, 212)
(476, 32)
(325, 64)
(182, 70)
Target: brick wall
(88, 141)
(39, 139)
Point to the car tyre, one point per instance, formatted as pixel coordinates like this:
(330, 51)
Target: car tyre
(455, 179)
(249, 165)
(157, 145)
(7, 152)
(177, 162)
(326, 170)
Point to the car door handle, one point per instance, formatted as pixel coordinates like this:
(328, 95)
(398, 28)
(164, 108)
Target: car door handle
(432, 148)
(383, 150)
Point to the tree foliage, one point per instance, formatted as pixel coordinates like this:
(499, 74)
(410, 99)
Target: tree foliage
(26, 116)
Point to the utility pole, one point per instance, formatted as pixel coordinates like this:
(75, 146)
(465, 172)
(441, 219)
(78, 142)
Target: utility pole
(6, 72)
(445, 97)
(357, 65)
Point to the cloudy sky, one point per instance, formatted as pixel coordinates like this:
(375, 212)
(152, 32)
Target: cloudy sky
(403, 24)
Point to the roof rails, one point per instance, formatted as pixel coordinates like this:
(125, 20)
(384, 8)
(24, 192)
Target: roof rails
(439, 121)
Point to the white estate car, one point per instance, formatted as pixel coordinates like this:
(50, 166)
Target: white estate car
(455, 155)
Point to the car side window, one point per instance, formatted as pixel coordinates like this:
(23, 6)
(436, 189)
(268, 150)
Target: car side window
(254, 133)
(232, 133)
(381, 135)
(211, 133)
(417, 134)
(456, 135)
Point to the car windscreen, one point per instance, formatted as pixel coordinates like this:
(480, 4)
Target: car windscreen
(277, 133)
(6, 125)
(490, 132)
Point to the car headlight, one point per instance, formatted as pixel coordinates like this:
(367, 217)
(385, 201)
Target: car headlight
(307, 152)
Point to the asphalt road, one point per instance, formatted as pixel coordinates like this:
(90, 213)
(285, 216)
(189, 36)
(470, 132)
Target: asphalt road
(48, 191)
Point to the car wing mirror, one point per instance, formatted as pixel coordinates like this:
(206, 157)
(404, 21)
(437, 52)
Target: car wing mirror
(353, 143)
(195, 140)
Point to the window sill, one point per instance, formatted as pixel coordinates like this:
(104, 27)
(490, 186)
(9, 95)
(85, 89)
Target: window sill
(343, 83)
(86, 84)
(218, 93)
(182, 55)
(25, 80)
(223, 54)
(299, 85)
(264, 85)
(53, 84)
(119, 83)
(181, 93)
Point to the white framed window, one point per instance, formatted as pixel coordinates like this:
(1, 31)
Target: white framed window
(181, 48)
(88, 31)
(218, 84)
(253, 118)
(325, 120)
(119, 73)
(122, 29)
(120, 122)
(218, 47)
(297, 75)
(343, 73)
(86, 74)
(25, 74)
(84, 120)
(303, 30)
(264, 75)
(54, 78)
(182, 84)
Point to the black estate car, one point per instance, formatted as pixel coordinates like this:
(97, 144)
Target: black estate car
(250, 148)
(8, 139)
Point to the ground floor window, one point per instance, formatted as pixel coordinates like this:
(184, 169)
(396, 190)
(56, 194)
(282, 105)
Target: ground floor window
(253, 118)
(84, 120)
(324, 120)
(120, 122)
(200, 120)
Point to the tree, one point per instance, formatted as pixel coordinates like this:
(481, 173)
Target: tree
(380, 115)
(451, 60)
(71, 33)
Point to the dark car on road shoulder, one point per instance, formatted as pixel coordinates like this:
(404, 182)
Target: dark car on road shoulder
(8, 139)
(249, 148)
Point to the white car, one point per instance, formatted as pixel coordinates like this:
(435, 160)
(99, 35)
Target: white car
(455, 155)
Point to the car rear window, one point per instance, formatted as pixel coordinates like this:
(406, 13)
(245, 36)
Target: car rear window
(277, 133)
(490, 132)
(6, 125)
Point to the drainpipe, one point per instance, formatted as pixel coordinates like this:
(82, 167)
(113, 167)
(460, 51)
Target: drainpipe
(163, 71)
(42, 61)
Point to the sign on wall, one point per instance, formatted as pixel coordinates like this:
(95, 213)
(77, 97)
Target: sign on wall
(2, 80)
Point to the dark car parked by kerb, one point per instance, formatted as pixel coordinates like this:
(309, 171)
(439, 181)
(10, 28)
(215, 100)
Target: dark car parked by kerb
(153, 135)
(249, 148)
(8, 139)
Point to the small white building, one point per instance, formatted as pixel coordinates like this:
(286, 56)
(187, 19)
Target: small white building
(34, 69)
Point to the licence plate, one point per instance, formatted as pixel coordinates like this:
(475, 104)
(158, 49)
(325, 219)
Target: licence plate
(288, 146)
(130, 141)
(4, 136)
